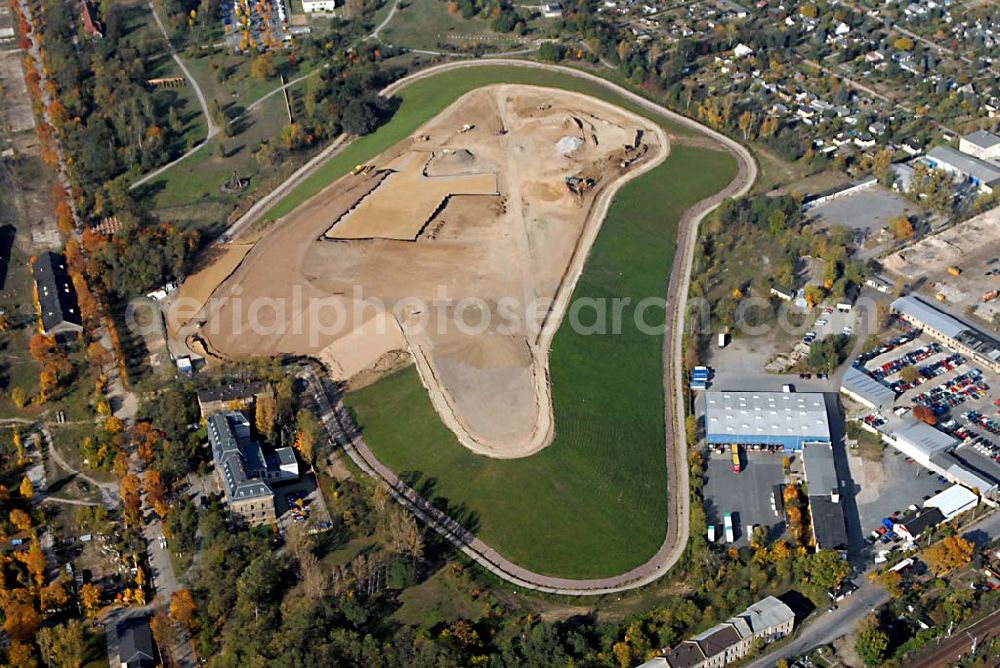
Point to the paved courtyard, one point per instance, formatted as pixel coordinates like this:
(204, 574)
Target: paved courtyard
(746, 495)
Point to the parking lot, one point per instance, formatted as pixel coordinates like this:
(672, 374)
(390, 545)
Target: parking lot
(867, 210)
(746, 495)
(962, 394)
(311, 511)
(890, 486)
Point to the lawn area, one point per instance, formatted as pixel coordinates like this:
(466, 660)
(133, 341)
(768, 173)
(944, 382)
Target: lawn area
(593, 503)
(423, 100)
(427, 24)
(188, 194)
(438, 600)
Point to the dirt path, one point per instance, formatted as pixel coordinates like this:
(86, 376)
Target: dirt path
(337, 421)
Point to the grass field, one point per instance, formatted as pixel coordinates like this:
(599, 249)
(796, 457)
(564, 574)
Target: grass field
(424, 99)
(593, 503)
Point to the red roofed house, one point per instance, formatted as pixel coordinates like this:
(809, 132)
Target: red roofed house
(91, 26)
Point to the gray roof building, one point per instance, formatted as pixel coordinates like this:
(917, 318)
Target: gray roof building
(821, 474)
(984, 348)
(59, 310)
(981, 144)
(981, 172)
(872, 393)
(828, 523)
(768, 613)
(135, 645)
(982, 139)
(239, 458)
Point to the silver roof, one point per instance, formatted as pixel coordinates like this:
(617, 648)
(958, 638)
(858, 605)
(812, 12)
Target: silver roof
(860, 383)
(767, 613)
(982, 139)
(984, 344)
(775, 414)
(821, 474)
(238, 456)
(924, 437)
(987, 172)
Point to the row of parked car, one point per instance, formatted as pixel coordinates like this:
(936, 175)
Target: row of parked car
(909, 333)
(960, 389)
(909, 359)
(987, 423)
(930, 371)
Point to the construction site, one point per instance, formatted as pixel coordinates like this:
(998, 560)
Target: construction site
(959, 266)
(456, 249)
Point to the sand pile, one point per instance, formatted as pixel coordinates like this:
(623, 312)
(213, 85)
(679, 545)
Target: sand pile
(568, 145)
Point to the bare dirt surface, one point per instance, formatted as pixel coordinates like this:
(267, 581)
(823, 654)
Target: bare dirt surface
(973, 247)
(442, 262)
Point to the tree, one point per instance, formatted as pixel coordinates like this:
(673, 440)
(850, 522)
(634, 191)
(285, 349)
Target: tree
(924, 414)
(90, 597)
(265, 413)
(22, 618)
(891, 581)
(882, 167)
(21, 655)
(871, 643)
(183, 609)
(19, 397)
(950, 553)
(746, 122)
(909, 374)
(156, 492)
(164, 632)
(262, 67)
(20, 519)
(27, 489)
(64, 646)
(827, 569)
(550, 51)
(903, 44)
(901, 228)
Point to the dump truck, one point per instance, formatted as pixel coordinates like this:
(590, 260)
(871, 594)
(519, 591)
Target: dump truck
(954, 271)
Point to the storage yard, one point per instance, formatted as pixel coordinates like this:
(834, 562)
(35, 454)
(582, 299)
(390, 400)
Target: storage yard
(500, 196)
(960, 266)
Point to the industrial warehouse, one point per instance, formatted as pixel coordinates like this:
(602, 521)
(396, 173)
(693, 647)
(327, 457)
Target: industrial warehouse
(786, 419)
(983, 348)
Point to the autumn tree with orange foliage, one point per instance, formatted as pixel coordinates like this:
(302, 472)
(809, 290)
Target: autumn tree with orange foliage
(156, 492)
(948, 554)
(131, 500)
(144, 437)
(20, 519)
(90, 598)
(184, 610)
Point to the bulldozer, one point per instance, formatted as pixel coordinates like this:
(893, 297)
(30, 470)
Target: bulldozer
(579, 185)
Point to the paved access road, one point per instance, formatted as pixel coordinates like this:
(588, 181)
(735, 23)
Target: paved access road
(831, 625)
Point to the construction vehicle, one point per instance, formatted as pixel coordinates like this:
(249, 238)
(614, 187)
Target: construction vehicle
(358, 169)
(940, 297)
(990, 296)
(954, 271)
(579, 185)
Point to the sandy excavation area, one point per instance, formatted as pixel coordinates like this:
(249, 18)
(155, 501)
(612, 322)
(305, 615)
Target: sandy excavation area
(453, 247)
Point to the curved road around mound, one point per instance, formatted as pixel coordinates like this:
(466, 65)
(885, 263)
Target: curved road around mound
(336, 419)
